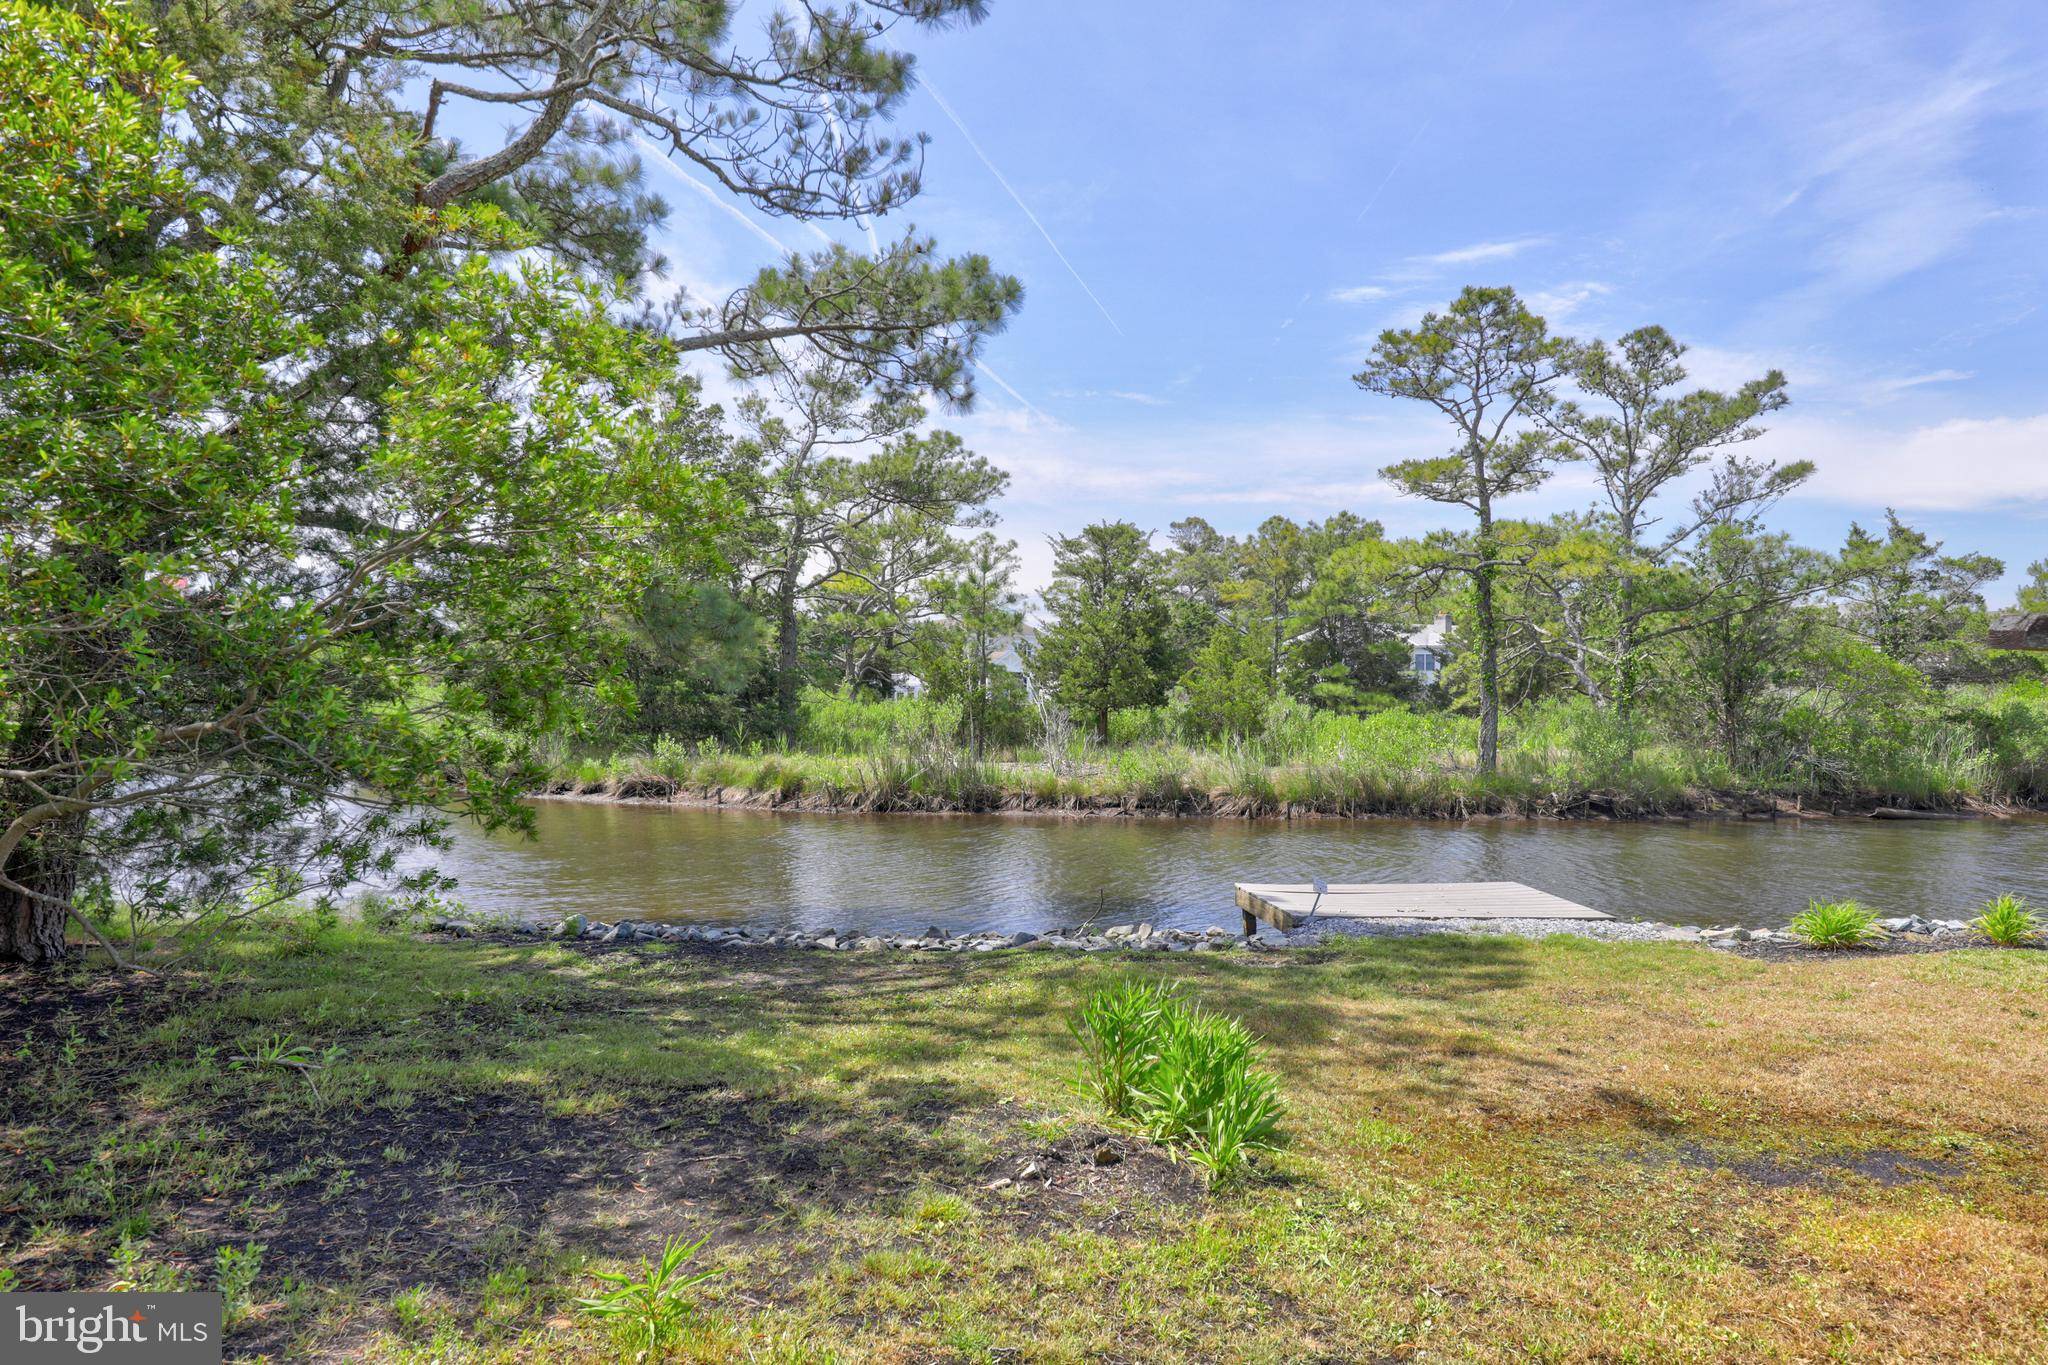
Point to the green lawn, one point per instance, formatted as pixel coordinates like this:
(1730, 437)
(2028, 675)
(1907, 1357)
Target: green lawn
(1501, 1150)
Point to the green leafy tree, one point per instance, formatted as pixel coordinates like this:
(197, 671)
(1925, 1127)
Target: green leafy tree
(334, 140)
(1907, 599)
(985, 611)
(201, 693)
(1201, 564)
(1738, 662)
(1109, 642)
(1228, 685)
(808, 428)
(1640, 435)
(1488, 365)
(1348, 629)
(2034, 592)
(1276, 565)
(693, 650)
(333, 136)
(896, 551)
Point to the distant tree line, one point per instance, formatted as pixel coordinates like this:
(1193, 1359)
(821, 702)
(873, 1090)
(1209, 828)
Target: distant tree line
(1668, 605)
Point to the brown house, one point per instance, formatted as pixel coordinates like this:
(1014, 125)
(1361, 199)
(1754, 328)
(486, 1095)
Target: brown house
(2019, 630)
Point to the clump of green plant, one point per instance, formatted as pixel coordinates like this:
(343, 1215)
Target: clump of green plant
(2009, 922)
(1187, 1077)
(1118, 1029)
(646, 1310)
(280, 1052)
(235, 1271)
(1836, 924)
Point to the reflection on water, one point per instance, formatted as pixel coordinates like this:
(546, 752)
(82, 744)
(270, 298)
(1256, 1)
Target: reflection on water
(905, 872)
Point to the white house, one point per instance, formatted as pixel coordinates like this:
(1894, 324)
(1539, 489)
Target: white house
(1429, 649)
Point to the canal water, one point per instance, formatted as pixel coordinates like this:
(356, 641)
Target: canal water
(904, 873)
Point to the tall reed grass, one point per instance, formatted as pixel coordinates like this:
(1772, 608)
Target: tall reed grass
(1989, 744)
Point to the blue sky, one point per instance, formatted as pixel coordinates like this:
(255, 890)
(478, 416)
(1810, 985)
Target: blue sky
(1235, 199)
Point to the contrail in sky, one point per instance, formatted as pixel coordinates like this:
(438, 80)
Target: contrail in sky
(744, 221)
(1416, 137)
(981, 367)
(1373, 198)
(940, 100)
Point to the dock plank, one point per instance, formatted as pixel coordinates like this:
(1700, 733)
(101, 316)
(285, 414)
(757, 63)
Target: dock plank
(1284, 906)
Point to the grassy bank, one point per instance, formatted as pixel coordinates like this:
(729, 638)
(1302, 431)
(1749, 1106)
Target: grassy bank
(1498, 1149)
(1560, 760)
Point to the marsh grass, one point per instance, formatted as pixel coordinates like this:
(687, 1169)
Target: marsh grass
(903, 753)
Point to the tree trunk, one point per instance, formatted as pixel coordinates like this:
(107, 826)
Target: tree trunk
(786, 650)
(32, 929)
(1489, 663)
(1625, 673)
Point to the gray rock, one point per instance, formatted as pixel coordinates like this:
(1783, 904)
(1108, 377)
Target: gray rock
(625, 931)
(1019, 939)
(868, 943)
(461, 928)
(1122, 931)
(570, 926)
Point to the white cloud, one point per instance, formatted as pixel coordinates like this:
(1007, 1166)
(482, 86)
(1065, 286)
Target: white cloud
(1417, 270)
(1479, 252)
(1717, 367)
(1875, 139)
(1563, 300)
(1885, 390)
(1960, 464)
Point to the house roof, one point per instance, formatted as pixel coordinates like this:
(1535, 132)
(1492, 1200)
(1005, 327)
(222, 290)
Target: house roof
(1432, 636)
(2019, 630)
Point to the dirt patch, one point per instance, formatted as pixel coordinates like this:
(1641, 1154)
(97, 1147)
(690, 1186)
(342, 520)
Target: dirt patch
(436, 1189)
(1775, 1171)
(1056, 1182)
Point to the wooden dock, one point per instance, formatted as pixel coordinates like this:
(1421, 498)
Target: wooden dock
(1285, 907)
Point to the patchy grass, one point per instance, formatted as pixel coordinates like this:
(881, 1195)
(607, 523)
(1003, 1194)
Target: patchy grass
(1499, 1150)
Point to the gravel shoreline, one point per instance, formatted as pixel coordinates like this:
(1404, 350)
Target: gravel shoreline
(1904, 934)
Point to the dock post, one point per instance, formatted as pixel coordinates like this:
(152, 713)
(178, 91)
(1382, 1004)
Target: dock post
(1251, 924)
